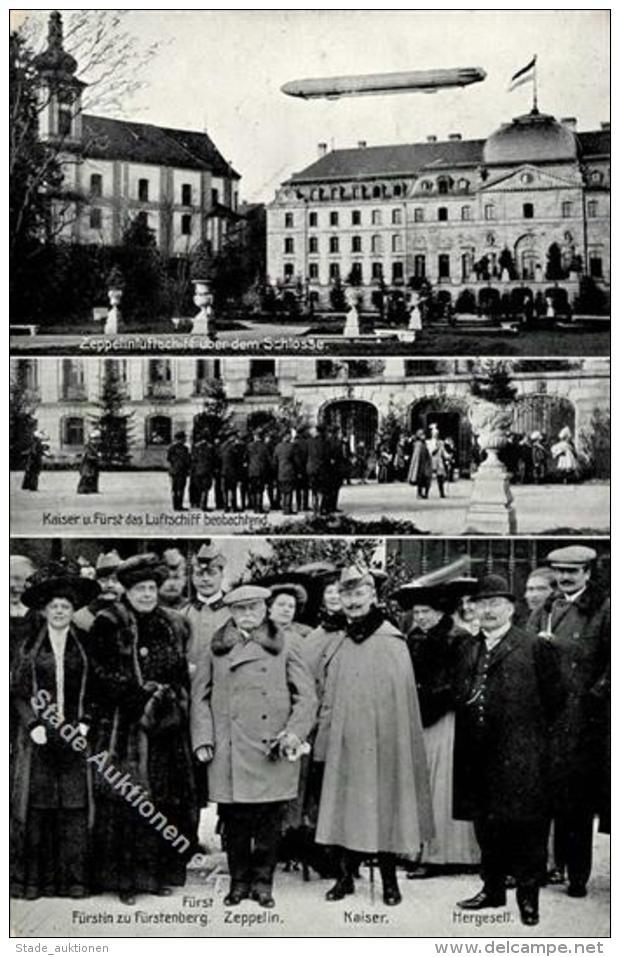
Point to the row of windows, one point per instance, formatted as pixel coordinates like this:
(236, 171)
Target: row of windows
(96, 190)
(376, 244)
(96, 220)
(419, 213)
(358, 191)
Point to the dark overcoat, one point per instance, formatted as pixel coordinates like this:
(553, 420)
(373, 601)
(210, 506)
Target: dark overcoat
(146, 737)
(243, 695)
(502, 733)
(581, 634)
(203, 460)
(318, 455)
(284, 459)
(259, 461)
(232, 459)
(53, 775)
(89, 471)
(179, 459)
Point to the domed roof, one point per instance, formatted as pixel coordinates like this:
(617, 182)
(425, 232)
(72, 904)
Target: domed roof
(55, 59)
(531, 138)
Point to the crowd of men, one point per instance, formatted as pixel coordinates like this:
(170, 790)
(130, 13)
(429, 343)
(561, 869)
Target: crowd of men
(233, 682)
(299, 470)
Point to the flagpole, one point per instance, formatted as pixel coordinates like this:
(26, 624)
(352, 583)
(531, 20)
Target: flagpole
(535, 104)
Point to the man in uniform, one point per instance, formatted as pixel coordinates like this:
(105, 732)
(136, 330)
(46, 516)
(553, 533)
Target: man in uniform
(577, 621)
(231, 457)
(178, 469)
(300, 455)
(207, 611)
(508, 690)
(375, 797)
(284, 461)
(253, 705)
(201, 474)
(259, 468)
(317, 460)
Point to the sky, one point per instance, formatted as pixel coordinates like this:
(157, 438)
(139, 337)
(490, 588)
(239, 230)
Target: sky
(222, 71)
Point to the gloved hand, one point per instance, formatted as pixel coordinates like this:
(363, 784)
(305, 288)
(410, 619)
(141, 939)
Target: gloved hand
(204, 753)
(39, 734)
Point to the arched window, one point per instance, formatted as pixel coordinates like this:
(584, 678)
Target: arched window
(376, 244)
(464, 185)
(443, 185)
(426, 185)
(398, 190)
(377, 192)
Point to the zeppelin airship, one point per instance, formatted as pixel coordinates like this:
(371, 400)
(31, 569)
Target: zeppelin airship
(373, 84)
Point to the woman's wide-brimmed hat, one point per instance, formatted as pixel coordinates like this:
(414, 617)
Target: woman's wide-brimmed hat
(297, 591)
(59, 581)
(142, 568)
(443, 596)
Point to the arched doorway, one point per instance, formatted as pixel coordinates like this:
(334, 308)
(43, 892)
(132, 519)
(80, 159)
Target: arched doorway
(543, 413)
(527, 256)
(357, 419)
(451, 416)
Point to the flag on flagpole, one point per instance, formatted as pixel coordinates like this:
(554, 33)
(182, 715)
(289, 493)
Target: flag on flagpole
(526, 74)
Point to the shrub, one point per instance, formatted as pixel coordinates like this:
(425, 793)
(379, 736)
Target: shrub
(465, 301)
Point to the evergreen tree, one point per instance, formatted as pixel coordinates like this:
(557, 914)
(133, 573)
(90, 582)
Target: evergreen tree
(215, 416)
(114, 424)
(506, 262)
(288, 553)
(337, 297)
(22, 423)
(492, 381)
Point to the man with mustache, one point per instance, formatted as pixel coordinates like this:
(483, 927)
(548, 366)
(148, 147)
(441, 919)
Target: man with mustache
(578, 622)
(253, 706)
(375, 798)
(508, 691)
(106, 567)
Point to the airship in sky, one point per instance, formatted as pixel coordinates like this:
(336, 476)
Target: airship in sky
(373, 84)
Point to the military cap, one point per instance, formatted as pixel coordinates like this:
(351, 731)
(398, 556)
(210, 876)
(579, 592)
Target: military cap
(141, 568)
(572, 555)
(107, 563)
(210, 553)
(246, 593)
(353, 575)
(493, 586)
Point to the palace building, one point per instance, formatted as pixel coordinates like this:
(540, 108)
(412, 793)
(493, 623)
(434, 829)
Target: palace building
(166, 394)
(436, 209)
(177, 180)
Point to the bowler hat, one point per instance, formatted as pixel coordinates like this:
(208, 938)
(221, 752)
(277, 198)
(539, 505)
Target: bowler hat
(141, 568)
(180, 435)
(59, 581)
(494, 586)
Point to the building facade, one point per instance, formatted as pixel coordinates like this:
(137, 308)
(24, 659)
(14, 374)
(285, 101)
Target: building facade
(436, 209)
(358, 396)
(177, 180)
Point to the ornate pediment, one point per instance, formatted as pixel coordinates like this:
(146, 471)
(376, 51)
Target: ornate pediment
(528, 178)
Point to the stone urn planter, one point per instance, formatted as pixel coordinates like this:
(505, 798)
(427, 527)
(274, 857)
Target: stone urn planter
(491, 511)
(204, 324)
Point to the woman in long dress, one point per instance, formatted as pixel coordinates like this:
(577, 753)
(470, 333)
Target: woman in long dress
(51, 794)
(141, 685)
(431, 641)
(564, 456)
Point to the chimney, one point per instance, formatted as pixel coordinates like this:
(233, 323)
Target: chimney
(431, 139)
(361, 144)
(322, 149)
(455, 137)
(606, 125)
(570, 121)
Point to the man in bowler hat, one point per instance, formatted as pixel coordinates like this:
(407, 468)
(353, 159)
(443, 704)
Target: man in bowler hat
(508, 691)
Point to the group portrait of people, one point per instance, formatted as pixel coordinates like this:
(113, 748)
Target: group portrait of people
(335, 717)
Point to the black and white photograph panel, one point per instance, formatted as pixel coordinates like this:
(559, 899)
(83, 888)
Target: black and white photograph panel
(301, 446)
(293, 737)
(260, 181)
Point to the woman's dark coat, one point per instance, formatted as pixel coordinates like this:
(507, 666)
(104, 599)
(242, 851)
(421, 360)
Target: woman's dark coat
(89, 471)
(501, 751)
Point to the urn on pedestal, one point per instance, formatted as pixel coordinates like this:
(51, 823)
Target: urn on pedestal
(491, 510)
